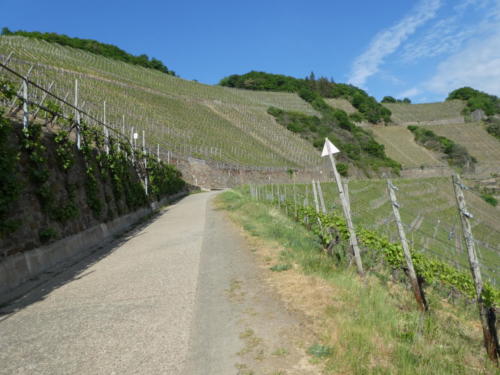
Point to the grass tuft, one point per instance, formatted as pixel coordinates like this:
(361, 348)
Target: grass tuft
(281, 267)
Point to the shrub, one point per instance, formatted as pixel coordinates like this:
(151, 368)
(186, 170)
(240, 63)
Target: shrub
(493, 128)
(47, 234)
(488, 198)
(343, 169)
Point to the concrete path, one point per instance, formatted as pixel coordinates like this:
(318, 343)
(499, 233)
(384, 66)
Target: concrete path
(172, 297)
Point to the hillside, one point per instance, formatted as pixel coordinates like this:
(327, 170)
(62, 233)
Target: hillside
(442, 112)
(184, 117)
(342, 104)
(444, 119)
(93, 46)
(483, 146)
(187, 118)
(400, 145)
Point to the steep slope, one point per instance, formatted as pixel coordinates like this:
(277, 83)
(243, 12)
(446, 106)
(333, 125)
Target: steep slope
(182, 116)
(435, 113)
(400, 145)
(342, 104)
(480, 144)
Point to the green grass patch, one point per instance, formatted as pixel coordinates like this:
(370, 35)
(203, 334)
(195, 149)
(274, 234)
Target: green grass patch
(320, 351)
(281, 267)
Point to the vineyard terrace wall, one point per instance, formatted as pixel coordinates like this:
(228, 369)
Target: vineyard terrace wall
(51, 192)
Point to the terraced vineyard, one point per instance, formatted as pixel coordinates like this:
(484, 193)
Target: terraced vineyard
(400, 145)
(429, 213)
(342, 104)
(480, 144)
(182, 116)
(445, 112)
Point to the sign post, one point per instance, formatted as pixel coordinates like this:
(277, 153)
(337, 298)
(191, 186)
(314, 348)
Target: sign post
(329, 150)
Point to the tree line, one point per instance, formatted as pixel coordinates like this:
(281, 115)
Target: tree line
(313, 90)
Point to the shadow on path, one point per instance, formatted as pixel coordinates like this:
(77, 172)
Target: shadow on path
(36, 289)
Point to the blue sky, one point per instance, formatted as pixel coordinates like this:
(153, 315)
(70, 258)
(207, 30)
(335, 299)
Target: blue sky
(421, 48)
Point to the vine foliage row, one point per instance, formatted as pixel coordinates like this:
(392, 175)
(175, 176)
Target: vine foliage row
(429, 269)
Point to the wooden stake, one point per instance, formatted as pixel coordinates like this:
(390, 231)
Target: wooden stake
(77, 116)
(486, 314)
(26, 113)
(347, 214)
(106, 133)
(44, 96)
(294, 197)
(321, 199)
(315, 194)
(417, 290)
(145, 161)
(278, 194)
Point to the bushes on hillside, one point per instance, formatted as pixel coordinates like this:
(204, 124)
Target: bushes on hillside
(356, 144)
(456, 155)
(313, 91)
(476, 99)
(263, 82)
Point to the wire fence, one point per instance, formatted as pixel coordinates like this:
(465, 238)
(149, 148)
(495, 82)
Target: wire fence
(429, 215)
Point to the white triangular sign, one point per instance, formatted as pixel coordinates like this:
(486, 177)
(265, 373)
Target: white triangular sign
(329, 148)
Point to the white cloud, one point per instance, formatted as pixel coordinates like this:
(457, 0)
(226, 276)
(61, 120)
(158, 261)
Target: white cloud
(389, 40)
(410, 93)
(477, 65)
(448, 34)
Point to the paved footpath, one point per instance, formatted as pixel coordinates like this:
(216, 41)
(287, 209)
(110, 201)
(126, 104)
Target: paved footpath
(153, 302)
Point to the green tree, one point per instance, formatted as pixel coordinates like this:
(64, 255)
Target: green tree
(388, 99)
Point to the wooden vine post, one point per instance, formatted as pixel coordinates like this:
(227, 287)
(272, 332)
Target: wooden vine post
(77, 117)
(39, 107)
(105, 128)
(417, 289)
(26, 113)
(321, 198)
(145, 161)
(486, 313)
(294, 196)
(315, 195)
(329, 150)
